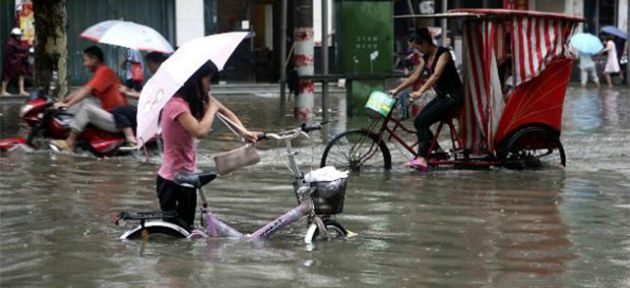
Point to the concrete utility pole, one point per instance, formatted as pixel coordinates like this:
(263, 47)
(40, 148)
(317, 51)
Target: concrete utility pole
(283, 53)
(303, 58)
(51, 47)
(325, 59)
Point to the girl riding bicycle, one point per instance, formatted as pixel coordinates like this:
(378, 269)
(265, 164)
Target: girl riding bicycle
(186, 117)
(443, 78)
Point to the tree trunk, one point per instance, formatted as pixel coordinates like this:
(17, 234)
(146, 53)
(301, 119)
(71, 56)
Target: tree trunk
(51, 49)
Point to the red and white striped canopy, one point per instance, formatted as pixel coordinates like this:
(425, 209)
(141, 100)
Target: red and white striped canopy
(532, 41)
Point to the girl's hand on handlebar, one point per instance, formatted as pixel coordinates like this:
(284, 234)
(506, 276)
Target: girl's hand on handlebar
(213, 105)
(415, 94)
(251, 136)
(261, 136)
(393, 92)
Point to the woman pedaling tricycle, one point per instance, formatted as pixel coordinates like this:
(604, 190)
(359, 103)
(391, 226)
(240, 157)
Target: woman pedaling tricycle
(489, 126)
(444, 79)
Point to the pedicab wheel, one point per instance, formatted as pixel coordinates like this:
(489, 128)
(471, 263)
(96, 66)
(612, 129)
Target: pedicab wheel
(532, 147)
(335, 231)
(357, 150)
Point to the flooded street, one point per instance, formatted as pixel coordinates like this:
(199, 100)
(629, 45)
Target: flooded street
(449, 228)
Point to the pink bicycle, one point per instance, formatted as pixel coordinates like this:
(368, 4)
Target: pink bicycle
(318, 202)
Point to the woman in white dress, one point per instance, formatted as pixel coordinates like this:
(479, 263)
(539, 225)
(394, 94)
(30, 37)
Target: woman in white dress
(612, 64)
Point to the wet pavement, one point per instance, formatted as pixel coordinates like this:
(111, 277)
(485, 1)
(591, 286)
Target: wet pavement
(449, 228)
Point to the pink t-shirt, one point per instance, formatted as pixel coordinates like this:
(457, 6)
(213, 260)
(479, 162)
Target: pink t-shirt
(179, 145)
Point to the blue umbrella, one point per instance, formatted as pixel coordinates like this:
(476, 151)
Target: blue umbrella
(612, 30)
(586, 43)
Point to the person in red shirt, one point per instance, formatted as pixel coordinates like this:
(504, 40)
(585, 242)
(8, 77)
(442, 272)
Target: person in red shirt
(104, 86)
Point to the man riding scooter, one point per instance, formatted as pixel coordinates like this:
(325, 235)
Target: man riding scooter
(104, 86)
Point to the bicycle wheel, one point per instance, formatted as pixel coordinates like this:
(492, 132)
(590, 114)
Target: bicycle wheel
(357, 150)
(155, 228)
(335, 231)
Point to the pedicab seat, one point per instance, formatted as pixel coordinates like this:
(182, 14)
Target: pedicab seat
(194, 180)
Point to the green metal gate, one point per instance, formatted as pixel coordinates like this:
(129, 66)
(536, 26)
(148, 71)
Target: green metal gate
(158, 14)
(365, 31)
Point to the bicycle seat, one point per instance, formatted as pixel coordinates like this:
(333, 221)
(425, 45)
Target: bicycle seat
(451, 115)
(194, 180)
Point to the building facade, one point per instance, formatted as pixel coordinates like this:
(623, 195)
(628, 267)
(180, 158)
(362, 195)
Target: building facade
(598, 13)
(257, 59)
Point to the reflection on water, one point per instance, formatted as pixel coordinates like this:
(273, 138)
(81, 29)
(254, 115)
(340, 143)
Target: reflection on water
(610, 106)
(592, 109)
(586, 114)
(449, 228)
(9, 113)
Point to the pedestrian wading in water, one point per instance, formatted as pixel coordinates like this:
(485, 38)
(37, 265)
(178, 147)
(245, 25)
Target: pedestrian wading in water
(187, 117)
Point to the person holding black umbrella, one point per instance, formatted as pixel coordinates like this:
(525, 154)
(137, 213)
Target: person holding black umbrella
(612, 63)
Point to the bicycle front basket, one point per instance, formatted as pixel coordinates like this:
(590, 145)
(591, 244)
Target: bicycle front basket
(329, 196)
(379, 104)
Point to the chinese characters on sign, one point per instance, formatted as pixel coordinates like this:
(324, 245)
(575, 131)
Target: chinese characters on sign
(366, 42)
(427, 7)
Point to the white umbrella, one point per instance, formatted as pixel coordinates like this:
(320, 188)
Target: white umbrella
(127, 34)
(174, 72)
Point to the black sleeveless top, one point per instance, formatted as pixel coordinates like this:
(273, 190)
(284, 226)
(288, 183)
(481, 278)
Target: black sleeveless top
(449, 82)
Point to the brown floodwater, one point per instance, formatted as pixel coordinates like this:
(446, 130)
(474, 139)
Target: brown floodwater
(448, 228)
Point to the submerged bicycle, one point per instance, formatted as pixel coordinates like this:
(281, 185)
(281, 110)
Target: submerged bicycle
(319, 200)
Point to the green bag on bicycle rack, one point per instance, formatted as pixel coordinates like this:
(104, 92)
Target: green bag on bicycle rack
(379, 104)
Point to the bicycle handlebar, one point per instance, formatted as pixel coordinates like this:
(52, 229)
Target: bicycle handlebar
(316, 126)
(291, 134)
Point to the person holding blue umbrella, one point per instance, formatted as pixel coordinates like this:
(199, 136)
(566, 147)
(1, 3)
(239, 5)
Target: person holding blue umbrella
(587, 65)
(585, 45)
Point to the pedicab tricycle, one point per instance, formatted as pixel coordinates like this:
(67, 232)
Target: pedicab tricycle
(515, 128)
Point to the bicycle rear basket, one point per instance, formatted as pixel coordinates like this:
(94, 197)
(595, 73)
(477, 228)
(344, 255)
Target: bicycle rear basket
(379, 105)
(329, 196)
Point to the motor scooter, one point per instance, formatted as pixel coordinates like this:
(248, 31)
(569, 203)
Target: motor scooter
(47, 122)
